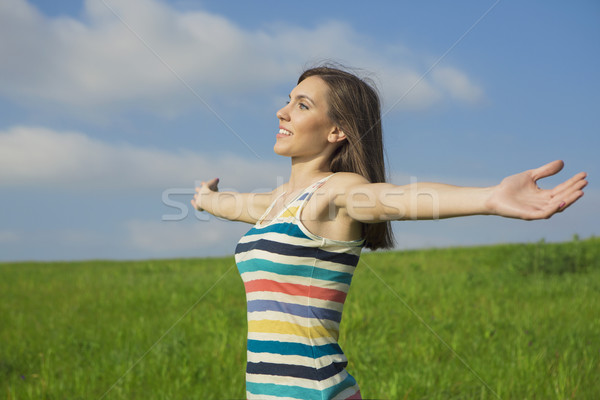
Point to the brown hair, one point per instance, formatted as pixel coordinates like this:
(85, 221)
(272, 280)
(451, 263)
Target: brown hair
(354, 107)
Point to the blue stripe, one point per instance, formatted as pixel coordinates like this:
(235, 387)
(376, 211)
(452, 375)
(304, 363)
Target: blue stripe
(297, 391)
(287, 249)
(281, 227)
(303, 196)
(306, 271)
(283, 391)
(331, 392)
(294, 309)
(293, 349)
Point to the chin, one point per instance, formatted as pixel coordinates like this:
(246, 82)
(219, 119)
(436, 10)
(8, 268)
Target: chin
(279, 151)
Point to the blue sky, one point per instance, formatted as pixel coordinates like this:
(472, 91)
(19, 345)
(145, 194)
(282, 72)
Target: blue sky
(110, 111)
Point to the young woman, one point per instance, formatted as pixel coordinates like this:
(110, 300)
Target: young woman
(298, 259)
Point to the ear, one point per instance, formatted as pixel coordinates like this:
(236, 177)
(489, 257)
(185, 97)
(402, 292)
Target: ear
(336, 135)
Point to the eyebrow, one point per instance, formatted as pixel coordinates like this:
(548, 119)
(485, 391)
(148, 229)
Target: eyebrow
(302, 96)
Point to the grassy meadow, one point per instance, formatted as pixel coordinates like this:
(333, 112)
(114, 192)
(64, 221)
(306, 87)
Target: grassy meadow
(515, 321)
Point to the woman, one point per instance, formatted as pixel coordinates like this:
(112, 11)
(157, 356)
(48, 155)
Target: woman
(298, 259)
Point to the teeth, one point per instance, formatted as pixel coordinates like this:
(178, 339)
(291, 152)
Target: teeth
(284, 132)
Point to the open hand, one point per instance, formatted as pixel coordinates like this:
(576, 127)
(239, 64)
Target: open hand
(518, 196)
(206, 187)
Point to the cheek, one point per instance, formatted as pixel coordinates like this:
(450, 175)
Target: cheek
(316, 125)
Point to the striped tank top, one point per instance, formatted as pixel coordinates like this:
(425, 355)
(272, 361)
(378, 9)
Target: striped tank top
(296, 284)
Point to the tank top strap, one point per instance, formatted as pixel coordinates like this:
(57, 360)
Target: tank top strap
(293, 209)
(260, 220)
(309, 191)
(301, 200)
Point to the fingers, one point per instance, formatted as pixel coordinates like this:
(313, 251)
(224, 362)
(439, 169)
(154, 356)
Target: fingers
(572, 198)
(570, 194)
(557, 205)
(547, 170)
(559, 198)
(577, 182)
(566, 194)
(212, 185)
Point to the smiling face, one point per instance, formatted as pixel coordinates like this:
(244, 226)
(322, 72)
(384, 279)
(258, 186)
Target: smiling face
(305, 129)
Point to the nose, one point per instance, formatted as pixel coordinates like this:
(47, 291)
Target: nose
(282, 114)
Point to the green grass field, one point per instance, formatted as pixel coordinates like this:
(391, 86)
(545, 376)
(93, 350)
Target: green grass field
(507, 321)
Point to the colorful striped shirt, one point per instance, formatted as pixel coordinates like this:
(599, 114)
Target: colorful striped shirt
(296, 284)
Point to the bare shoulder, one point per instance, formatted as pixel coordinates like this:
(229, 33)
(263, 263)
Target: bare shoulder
(342, 184)
(337, 186)
(346, 180)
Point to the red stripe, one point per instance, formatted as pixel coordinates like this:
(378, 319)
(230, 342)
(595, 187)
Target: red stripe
(267, 285)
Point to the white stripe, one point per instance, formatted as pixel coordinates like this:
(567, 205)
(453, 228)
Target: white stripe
(280, 237)
(296, 360)
(333, 246)
(344, 394)
(293, 260)
(289, 359)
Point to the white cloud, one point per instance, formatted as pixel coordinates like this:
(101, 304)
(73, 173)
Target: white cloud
(100, 61)
(44, 158)
(457, 84)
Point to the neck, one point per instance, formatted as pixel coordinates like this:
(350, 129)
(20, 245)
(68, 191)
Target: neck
(304, 173)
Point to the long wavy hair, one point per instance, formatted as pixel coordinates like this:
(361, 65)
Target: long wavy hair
(354, 107)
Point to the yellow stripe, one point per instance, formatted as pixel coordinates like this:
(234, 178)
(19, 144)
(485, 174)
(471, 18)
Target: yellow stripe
(290, 212)
(287, 328)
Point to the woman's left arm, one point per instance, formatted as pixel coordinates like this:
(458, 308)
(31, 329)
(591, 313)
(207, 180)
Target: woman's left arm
(517, 196)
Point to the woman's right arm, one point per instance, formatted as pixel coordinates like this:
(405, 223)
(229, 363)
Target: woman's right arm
(234, 206)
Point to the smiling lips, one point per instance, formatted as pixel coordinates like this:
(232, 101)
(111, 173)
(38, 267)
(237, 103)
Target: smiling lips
(284, 132)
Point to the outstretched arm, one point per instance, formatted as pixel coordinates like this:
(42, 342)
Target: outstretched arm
(234, 206)
(517, 196)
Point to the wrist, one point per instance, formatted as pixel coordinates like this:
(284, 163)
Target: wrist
(204, 202)
(488, 205)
